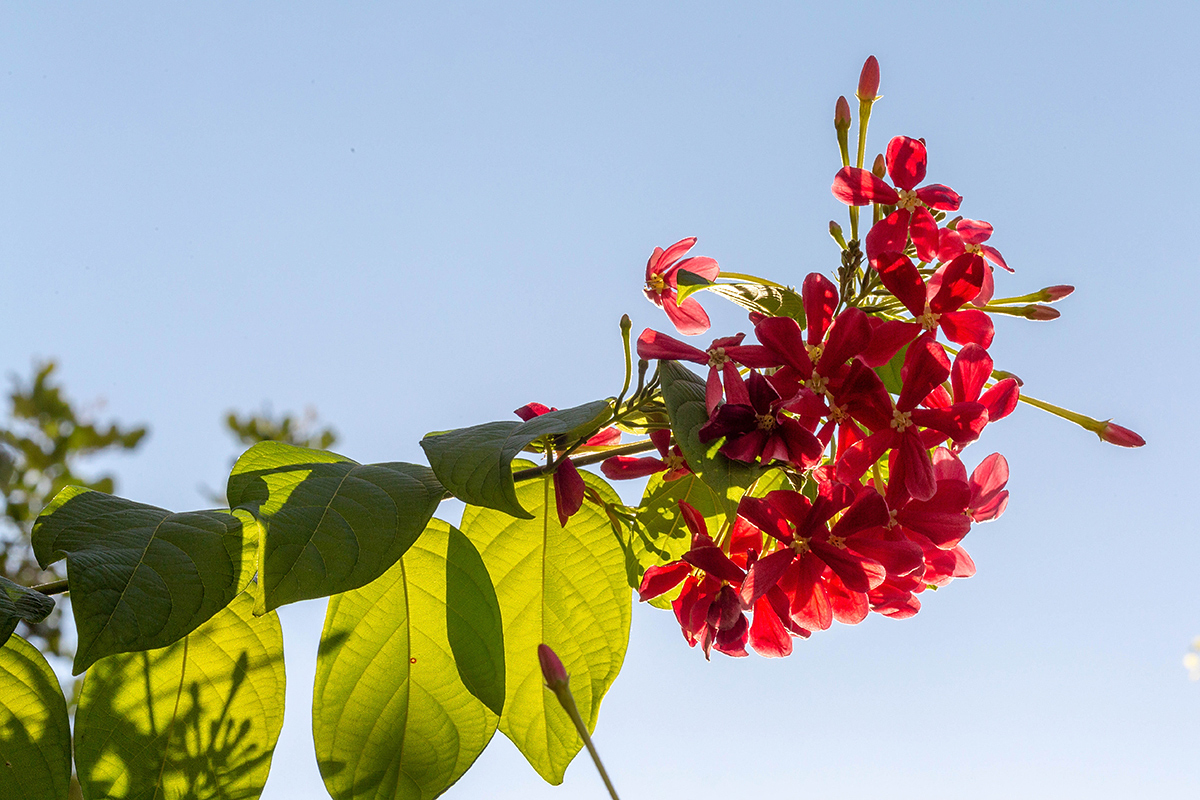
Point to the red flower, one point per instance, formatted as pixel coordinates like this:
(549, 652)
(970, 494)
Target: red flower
(935, 305)
(661, 271)
(758, 429)
(971, 371)
(906, 167)
(629, 467)
(721, 357)
(969, 237)
(568, 483)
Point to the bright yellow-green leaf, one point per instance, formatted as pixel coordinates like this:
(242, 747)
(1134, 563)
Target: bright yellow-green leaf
(565, 587)
(35, 736)
(392, 717)
(198, 719)
(142, 577)
(329, 524)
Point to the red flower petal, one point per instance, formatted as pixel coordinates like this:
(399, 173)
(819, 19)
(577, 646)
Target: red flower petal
(971, 370)
(906, 159)
(1001, 399)
(672, 254)
(568, 490)
(623, 468)
(653, 345)
(693, 519)
(703, 266)
(993, 255)
(765, 573)
(689, 318)
(713, 560)
(924, 232)
(965, 327)
(925, 366)
(960, 281)
(849, 608)
(889, 235)
(887, 337)
(820, 300)
(661, 579)
(973, 231)
(943, 198)
(914, 462)
(531, 410)
(902, 279)
(767, 634)
(858, 187)
(849, 335)
(860, 574)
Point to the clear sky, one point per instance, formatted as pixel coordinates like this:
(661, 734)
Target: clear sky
(419, 218)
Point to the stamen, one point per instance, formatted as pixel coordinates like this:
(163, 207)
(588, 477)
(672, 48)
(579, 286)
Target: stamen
(901, 420)
(717, 357)
(766, 422)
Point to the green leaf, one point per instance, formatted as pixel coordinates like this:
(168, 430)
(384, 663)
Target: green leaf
(660, 535)
(142, 577)
(329, 524)
(683, 393)
(564, 587)
(475, 464)
(198, 719)
(19, 604)
(392, 715)
(889, 373)
(773, 301)
(35, 736)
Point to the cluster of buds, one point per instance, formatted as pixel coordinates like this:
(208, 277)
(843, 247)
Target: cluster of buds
(881, 499)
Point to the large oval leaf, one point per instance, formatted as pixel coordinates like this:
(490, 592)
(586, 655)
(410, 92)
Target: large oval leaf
(142, 577)
(392, 715)
(475, 464)
(198, 719)
(329, 524)
(35, 736)
(19, 604)
(565, 587)
(683, 395)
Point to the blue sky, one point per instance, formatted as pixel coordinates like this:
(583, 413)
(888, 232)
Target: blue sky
(418, 218)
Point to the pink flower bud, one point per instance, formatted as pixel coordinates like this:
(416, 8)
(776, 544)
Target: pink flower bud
(879, 168)
(868, 80)
(1122, 437)
(1053, 293)
(841, 115)
(552, 668)
(1040, 313)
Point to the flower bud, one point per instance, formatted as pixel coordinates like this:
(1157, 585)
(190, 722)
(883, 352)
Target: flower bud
(1039, 312)
(626, 323)
(868, 80)
(835, 231)
(552, 668)
(841, 115)
(1053, 293)
(879, 168)
(1000, 375)
(1122, 437)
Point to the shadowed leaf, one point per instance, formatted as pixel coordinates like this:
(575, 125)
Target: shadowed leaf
(142, 577)
(392, 716)
(329, 524)
(35, 736)
(19, 604)
(198, 719)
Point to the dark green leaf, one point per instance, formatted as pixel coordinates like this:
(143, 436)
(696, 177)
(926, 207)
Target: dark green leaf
(142, 577)
(329, 524)
(35, 736)
(19, 604)
(392, 716)
(475, 464)
(564, 587)
(683, 393)
(198, 719)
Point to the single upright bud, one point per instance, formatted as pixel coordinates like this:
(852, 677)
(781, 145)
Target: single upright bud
(841, 114)
(1122, 437)
(1040, 313)
(1053, 293)
(835, 231)
(868, 81)
(879, 168)
(552, 668)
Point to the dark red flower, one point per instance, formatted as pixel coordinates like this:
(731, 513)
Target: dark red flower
(628, 467)
(661, 276)
(758, 429)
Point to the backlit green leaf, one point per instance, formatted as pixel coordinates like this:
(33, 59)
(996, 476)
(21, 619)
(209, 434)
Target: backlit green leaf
(773, 301)
(19, 604)
(142, 577)
(683, 393)
(565, 587)
(392, 716)
(329, 524)
(35, 736)
(196, 720)
(889, 373)
(475, 464)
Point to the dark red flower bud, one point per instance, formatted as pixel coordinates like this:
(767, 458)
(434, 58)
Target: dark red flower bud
(1122, 437)
(841, 115)
(868, 80)
(1039, 312)
(552, 668)
(1053, 293)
